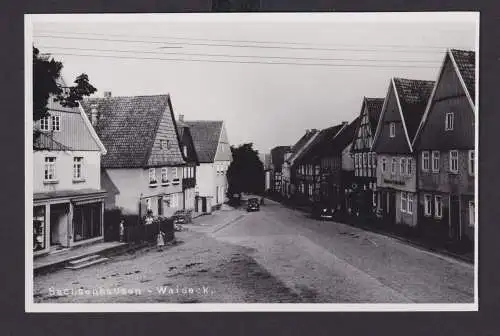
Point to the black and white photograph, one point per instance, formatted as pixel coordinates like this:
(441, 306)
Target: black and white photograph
(251, 162)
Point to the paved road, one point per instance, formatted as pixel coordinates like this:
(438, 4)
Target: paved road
(275, 255)
(332, 262)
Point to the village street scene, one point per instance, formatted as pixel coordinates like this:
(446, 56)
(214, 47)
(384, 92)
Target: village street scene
(254, 162)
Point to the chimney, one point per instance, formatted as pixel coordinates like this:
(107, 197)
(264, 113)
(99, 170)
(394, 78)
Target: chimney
(107, 94)
(181, 117)
(93, 114)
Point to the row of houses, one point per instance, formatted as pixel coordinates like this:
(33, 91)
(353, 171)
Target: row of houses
(408, 158)
(127, 153)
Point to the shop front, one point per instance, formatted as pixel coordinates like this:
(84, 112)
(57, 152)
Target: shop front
(63, 222)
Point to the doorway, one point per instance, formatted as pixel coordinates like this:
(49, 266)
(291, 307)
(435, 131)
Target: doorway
(59, 225)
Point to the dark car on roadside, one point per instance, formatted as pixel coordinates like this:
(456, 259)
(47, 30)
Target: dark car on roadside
(323, 211)
(253, 204)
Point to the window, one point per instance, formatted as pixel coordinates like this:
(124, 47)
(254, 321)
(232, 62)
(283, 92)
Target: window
(438, 206)
(310, 190)
(185, 150)
(44, 123)
(410, 203)
(50, 168)
(56, 122)
(164, 144)
(448, 124)
(472, 217)
(393, 166)
(356, 160)
(471, 162)
(427, 205)
(454, 161)
(403, 166)
(365, 161)
(384, 165)
(148, 203)
(425, 161)
(175, 174)
(435, 161)
(374, 160)
(152, 175)
(77, 168)
(164, 174)
(404, 202)
(392, 130)
(408, 166)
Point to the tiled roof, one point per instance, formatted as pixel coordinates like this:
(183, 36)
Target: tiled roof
(127, 126)
(466, 63)
(206, 134)
(374, 107)
(343, 139)
(413, 95)
(303, 140)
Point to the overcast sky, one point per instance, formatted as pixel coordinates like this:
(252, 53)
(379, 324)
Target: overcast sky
(267, 104)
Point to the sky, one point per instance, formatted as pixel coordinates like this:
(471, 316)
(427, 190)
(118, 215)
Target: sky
(269, 77)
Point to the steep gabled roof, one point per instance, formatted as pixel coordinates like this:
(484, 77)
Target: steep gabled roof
(324, 140)
(344, 137)
(465, 61)
(303, 140)
(413, 96)
(206, 135)
(128, 126)
(374, 108)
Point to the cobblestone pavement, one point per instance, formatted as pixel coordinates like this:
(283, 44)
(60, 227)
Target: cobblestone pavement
(274, 255)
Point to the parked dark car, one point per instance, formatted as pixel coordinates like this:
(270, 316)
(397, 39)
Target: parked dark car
(253, 204)
(323, 211)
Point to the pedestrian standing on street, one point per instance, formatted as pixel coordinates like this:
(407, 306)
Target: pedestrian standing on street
(160, 240)
(122, 230)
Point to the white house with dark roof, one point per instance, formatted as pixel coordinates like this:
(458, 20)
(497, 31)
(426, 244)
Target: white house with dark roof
(67, 195)
(144, 165)
(214, 155)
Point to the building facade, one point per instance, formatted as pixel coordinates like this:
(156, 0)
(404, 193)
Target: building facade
(191, 158)
(277, 160)
(364, 198)
(445, 144)
(214, 155)
(143, 168)
(67, 195)
(401, 114)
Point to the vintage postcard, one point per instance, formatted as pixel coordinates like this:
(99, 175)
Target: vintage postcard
(252, 162)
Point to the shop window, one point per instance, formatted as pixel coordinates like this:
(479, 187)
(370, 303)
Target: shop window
(87, 221)
(39, 228)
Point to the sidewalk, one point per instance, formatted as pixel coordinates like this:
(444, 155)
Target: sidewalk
(417, 242)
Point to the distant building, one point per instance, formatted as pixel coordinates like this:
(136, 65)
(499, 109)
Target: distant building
(67, 195)
(143, 168)
(277, 160)
(446, 152)
(189, 153)
(364, 195)
(400, 117)
(214, 156)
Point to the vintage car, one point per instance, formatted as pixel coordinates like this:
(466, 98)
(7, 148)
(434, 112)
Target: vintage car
(253, 204)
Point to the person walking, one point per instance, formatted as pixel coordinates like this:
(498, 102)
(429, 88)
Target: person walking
(122, 230)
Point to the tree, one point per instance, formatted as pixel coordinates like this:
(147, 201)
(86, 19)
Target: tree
(246, 171)
(46, 75)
